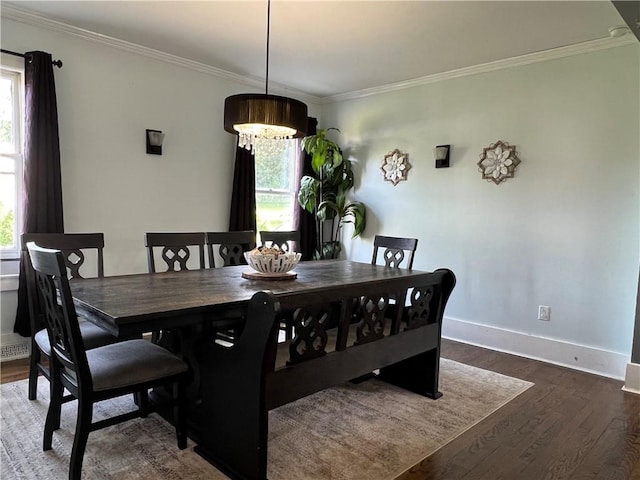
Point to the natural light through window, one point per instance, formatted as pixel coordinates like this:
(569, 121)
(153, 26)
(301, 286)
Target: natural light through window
(10, 161)
(276, 175)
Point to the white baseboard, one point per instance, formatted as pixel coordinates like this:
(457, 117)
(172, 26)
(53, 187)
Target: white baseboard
(632, 378)
(579, 357)
(13, 347)
(8, 283)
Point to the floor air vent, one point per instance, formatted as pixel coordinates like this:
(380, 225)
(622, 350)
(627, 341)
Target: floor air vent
(14, 350)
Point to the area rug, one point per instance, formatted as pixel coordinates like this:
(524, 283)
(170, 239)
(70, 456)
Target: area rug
(371, 431)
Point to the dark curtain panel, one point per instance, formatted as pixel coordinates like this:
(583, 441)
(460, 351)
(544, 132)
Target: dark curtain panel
(42, 198)
(303, 220)
(243, 197)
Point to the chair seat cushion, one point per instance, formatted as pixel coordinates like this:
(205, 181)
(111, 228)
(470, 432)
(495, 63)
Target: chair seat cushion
(92, 336)
(42, 340)
(131, 362)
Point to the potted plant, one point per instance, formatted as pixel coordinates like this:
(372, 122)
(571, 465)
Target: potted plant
(325, 194)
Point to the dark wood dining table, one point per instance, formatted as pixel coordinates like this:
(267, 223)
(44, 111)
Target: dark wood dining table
(184, 303)
(126, 305)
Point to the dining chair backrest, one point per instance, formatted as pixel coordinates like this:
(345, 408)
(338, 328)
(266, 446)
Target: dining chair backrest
(231, 246)
(73, 247)
(396, 250)
(176, 250)
(284, 240)
(52, 286)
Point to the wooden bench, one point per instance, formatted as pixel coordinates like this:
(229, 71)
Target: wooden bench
(329, 347)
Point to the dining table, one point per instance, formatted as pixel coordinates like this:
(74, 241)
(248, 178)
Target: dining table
(127, 305)
(188, 304)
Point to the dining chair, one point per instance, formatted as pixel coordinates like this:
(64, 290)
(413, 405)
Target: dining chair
(231, 246)
(396, 250)
(176, 253)
(176, 250)
(74, 246)
(287, 241)
(91, 376)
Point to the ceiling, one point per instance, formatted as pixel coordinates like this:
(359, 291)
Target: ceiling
(328, 48)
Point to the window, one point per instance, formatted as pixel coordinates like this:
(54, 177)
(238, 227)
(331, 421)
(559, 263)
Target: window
(276, 175)
(11, 122)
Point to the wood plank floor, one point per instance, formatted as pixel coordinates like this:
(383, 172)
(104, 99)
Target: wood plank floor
(570, 425)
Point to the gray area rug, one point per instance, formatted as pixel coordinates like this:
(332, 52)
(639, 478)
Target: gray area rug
(367, 431)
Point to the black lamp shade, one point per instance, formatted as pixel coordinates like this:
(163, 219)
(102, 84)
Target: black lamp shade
(265, 109)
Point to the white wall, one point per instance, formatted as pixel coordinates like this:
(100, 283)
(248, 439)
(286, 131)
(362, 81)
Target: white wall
(564, 232)
(107, 98)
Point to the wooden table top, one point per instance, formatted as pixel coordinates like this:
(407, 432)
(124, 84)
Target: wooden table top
(128, 303)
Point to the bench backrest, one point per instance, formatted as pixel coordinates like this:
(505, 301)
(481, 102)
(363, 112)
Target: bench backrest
(327, 347)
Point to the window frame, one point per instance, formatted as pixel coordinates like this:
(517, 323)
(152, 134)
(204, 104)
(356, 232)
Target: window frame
(293, 192)
(10, 68)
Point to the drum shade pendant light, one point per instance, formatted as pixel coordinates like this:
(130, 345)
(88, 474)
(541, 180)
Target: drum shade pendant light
(262, 121)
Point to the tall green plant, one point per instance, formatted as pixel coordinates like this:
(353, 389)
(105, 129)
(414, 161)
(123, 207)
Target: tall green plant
(325, 195)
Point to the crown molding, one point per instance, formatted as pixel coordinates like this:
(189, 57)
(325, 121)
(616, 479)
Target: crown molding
(13, 13)
(543, 56)
(23, 16)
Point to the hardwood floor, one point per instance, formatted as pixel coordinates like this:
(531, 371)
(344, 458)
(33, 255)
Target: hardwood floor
(14, 370)
(569, 425)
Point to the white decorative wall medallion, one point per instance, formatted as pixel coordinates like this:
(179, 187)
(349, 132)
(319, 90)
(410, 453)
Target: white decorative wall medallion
(498, 162)
(395, 166)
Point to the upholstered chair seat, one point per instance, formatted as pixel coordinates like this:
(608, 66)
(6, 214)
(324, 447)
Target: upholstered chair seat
(128, 363)
(42, 341)
(92, 337)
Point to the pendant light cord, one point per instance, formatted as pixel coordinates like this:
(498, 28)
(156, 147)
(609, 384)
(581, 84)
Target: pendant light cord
(266, 85)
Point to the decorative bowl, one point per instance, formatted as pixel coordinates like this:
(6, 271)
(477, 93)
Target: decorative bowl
(271, 263)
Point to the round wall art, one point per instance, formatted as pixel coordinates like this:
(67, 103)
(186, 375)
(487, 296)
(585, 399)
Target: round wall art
(395, 166)
(498, 162)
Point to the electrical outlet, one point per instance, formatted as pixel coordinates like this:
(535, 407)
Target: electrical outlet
(544, 313)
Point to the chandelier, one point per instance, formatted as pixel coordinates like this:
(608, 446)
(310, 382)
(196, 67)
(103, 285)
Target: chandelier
(264, 122)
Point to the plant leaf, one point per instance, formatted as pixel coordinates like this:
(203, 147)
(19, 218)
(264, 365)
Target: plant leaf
(341, 199)
(327, 209)
(337, 155)
(358, 213)
(318, 159)
(308, 193)
(331, 250)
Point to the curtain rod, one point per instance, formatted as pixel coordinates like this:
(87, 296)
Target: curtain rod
(57, 63)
